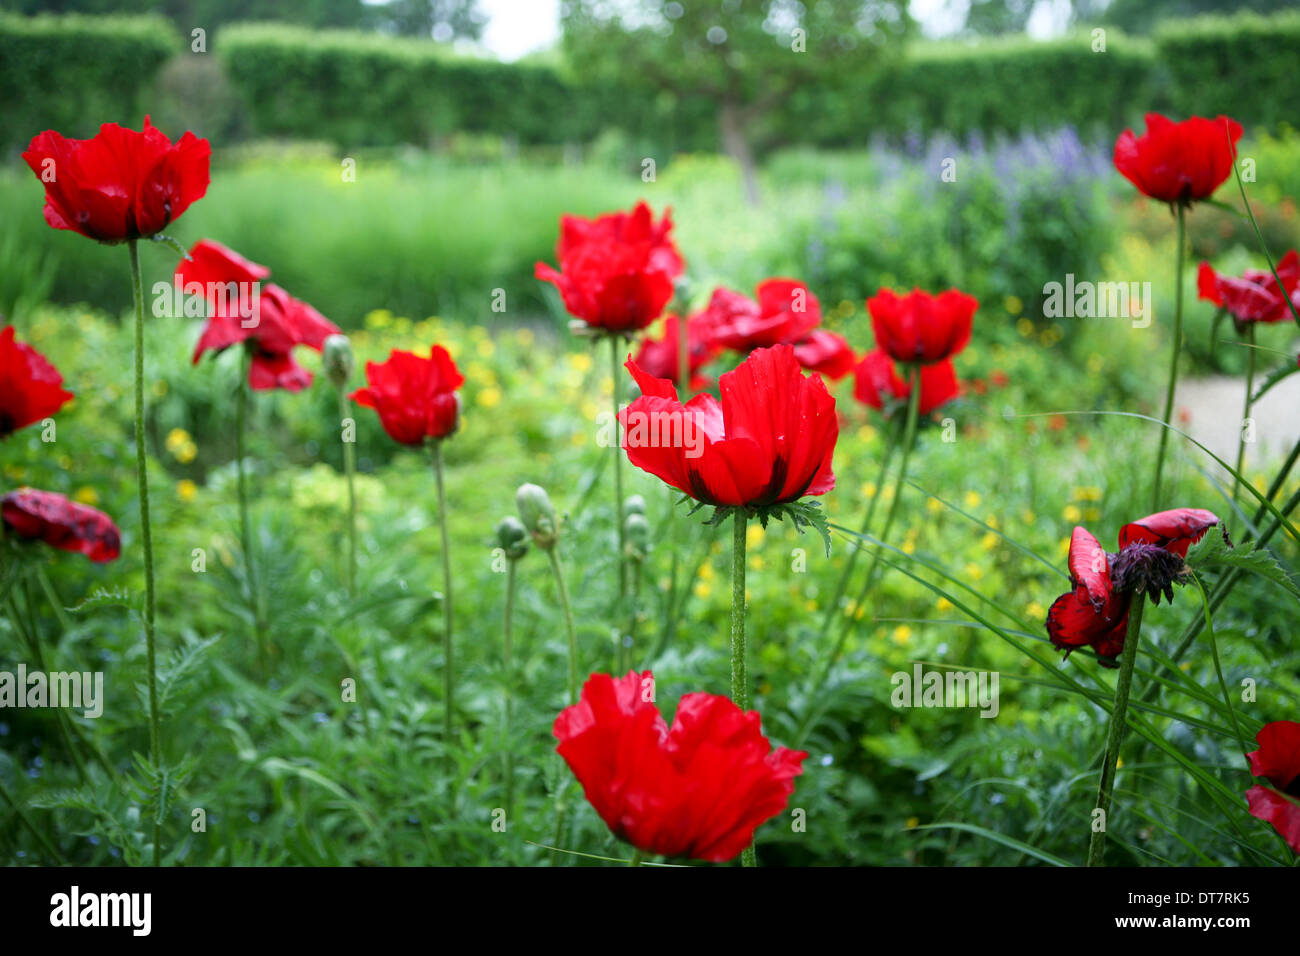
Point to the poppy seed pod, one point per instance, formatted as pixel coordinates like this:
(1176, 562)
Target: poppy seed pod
(538, 515)
(512, 537)
(633, 505)
(637, 532)
(337, 360)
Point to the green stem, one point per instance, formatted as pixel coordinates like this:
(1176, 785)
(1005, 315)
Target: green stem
(618, 478)
(563, 592)
(1175, 351)
(245, 525)
(739, 667)
(850, 621)
(146, 533)
(683, 361)
(633, 616)
(1245, 412)
(34, 643)
(508, 661)
(739, 676)
(636, 858)
(350, 468)
(18, 811)
(1115, 736)
(868, 513)
(448, 675)
(52, 596)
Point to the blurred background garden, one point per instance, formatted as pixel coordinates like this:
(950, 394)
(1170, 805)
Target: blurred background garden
(397, 173)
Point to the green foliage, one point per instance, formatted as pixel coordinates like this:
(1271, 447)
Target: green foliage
(1242, 66)
(74, 73)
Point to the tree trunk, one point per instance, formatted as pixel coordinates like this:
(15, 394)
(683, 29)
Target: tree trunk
(731, 127)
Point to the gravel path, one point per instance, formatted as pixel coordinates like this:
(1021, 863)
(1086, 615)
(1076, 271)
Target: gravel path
(1209, 409)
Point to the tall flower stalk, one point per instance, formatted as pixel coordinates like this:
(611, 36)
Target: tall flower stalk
(1115, 734)
(146, 536)
(448, 645)
(338, 363)
(1175, 350)
(512, 539)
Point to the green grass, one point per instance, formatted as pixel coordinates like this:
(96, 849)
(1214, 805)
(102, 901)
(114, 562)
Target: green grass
(287, 772)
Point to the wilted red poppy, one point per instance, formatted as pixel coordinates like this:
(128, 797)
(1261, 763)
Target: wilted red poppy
(783, 313)
(61, 523)
(769, 441)
(415, 397)
(660, 357)
(825, 353)
(698, 789)
(1095, 613)
(241, 309)
(1255, 296)
(1278, 761)
(1178, 162)
(616, 271)
(119, 184)
(920, 327)
(875, 378)
(30, 387)
(1175, 530)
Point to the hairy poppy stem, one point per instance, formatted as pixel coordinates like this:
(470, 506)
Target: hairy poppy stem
(146, 534)
(1115, 736)
(350, 468)
(1245, 412)
(448, 677)
(739, 667)
(563, 592)
(1173, 359)
(245, 526)
(618, 479)
(869, 512)
(824, 671)
(507, 653)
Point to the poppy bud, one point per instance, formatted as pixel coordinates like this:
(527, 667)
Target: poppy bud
(538, 515)
(512, 536)
(337, 359)
(634, 505)
(637, 532)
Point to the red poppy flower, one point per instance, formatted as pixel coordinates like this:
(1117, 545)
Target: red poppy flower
(1255, 297)
(240, 309)
(1278, 761)
(659, 357)
(1095, 613)
(875, 378)
(826, 353)
(784, 313)
(1178, 162)
(1175, 530)
(415, 397)
(698, 789)
(920, 327)
(120, 184)
(30, 387)
(769, 441)
(616, 271)
(61, 523)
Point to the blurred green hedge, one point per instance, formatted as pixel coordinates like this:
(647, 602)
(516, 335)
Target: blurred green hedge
(72, 73)
(362, 89)
(1244, 66)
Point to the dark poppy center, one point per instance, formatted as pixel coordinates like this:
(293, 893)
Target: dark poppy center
(1142, 567)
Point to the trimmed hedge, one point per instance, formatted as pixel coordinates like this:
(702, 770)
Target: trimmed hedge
(72, 73)
(1015, 85)
(362, 89)
(1244, 66)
